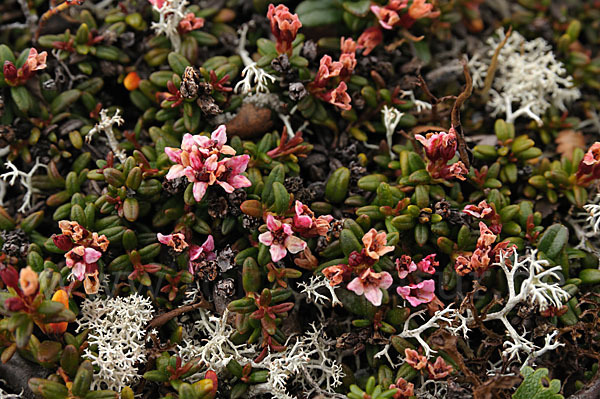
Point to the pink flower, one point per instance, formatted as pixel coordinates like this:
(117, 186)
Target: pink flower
(428, 264)
(486, 237)
(590, 164)
(348, 62)
(457, 170)
(375, 244)
(35, 61)
(229, 173)
(302, 219)
(82, 261)
(387, 17)
(339, 97)
(337, 274)
(307, 225)
(479, 211)
(284, 26)
(370, 39)
(280, 239)
(189, 23)
(327, 70)
(439, 369)
(416, 360)
(175, 241)
(404, 388)
(405, 266)
(439, 146)
(420, 9)
(348, 46)
(417, 294)
(369, 284)
(198, 160)
(158, 3)
(200, 253)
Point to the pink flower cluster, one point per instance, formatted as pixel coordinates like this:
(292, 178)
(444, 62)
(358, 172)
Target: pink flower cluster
(405, 265)
(589, 167)
(34, 62)
(368, 282)
(484, 254)
(280, 239)
(369, 39)
(437, 370)
(205, 161)
(197, 253)
(485, 211)
(189, 23)
(84, 251)
(284, 26)
(340, 70)
(307, 225)
(389, 16)
(439, 149)
(417, 293)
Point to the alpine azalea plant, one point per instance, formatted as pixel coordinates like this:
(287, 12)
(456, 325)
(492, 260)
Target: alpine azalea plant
(205, 161)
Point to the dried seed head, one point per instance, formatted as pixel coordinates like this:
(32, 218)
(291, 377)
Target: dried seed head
(297, 91)
(189, 83)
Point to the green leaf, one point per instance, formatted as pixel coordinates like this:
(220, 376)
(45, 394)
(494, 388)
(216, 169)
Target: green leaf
(359, 8)
(533, 386)
(319, 12)
(554, 240)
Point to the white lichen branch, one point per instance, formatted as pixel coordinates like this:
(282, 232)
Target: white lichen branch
(439, 316)
(106, 126)
(391, 118)
(170, 14)
(26, 180)
(254, 77)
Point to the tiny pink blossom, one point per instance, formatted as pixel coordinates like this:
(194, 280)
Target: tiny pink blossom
(280, 239)
(199, 253)
(369, 284)
(284, 26)
(370, 39)
(375, 244)
(439, 146)
(302, 218)
(417, 294)
(387, 17)
(36, 61)
(405, 266)
(157, 3)
(339, 97)
(189, 23)
(428, 264)
(175, 241)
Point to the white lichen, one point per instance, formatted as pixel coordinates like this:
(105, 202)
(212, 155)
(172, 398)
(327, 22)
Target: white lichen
(170, 14)
(117, 334)
(305, 361)
(255, 78)
(312, 287)
(528, 77)
(539, 290)
(26, 180)
(391, 118)
(445, 316)
(106, 126)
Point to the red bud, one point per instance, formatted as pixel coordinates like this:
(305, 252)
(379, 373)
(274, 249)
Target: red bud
(14, 304)
(9, 276)
(62, 242)
(10, 71)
